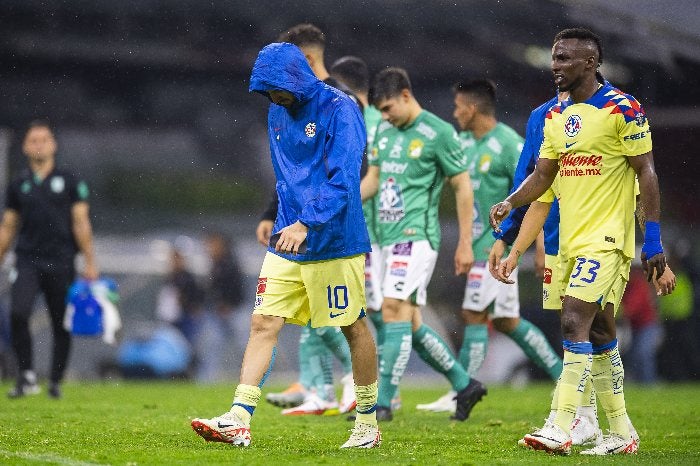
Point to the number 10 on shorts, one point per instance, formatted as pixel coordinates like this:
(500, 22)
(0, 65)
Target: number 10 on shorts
(337, 297)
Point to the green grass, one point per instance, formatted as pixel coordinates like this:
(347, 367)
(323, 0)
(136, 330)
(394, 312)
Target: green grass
(148, 423)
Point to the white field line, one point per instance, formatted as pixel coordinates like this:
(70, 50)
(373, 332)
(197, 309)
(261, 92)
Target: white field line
(46, 458)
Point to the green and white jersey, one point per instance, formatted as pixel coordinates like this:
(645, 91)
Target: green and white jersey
(373, 118)
(492, 161)
(413, 162)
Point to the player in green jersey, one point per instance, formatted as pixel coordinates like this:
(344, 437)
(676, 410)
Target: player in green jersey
(413, 152)
(492, 150)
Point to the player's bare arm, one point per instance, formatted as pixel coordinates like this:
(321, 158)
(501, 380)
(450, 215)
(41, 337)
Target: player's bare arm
(532, 188)
(464, 197)
(369, 186)
(539, 255)
(82, 231)
(529, 230)
(8, 230)
(291, 238)
(653, 258)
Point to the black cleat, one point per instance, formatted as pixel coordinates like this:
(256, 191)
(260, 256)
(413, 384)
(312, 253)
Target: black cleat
(467, 398)
(55, 390)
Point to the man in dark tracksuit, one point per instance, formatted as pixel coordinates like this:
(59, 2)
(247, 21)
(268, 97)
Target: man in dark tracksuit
(47, 209)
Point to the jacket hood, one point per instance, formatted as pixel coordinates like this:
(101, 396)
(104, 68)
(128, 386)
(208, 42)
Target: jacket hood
(282, 66)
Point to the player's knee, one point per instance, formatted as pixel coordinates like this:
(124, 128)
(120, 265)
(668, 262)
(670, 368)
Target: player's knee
(505, 325)
(264, 325)
(571, 327)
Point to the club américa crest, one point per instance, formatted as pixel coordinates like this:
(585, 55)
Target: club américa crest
(310, 129)
(572, 125)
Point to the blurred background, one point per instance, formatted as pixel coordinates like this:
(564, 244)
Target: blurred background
(150, 105)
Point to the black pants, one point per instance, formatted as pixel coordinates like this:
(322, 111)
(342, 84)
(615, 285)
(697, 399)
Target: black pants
(53, 281)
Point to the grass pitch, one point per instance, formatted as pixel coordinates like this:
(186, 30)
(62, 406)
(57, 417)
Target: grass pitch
(148, 424)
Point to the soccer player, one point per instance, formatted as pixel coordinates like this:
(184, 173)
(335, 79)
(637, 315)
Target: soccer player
(47, 209)
(492, 150)
(414, 151)
(314, 392)
(596, 143)
(314, 272)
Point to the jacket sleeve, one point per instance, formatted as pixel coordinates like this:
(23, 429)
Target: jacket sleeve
(342, 157)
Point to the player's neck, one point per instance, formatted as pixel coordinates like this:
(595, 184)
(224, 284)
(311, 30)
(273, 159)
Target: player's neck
(483, 125)
(415, 110)
(586, 90)
(320, 71)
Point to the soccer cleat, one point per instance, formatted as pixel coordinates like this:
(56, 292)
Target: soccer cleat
(550, 438)
(26, 385)
(585, 432)
(348, 402)
(227, 428)
(614, 444)
(55, 390)
(313, 405)
(364, 436)
(293, 396)
(467, 398)
(446, 403)
(633, 432)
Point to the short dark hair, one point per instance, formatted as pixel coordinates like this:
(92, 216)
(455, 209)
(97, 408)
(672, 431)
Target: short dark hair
(39, 123)
(582, 34)
(353, 72)
(389, 83)
(482, 91)
(304, 34)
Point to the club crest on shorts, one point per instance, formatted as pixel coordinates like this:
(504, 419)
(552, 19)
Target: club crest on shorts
(572, 125)
(262, 285)
(310, 129)
(547, 278)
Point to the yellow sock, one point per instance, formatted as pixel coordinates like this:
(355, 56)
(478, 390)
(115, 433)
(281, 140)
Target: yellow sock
(608, 377)
(555, 401)
(577, 368)
(366, 396)
(244, 401)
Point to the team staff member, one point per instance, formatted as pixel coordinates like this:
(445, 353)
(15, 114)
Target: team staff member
(47, 209)
(315, 271)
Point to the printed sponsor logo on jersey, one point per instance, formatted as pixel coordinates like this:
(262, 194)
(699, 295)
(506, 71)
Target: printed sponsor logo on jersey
(381, 144)
(426, 131)
(547, 279)
(415, 148)
(591, 163)
(485, 163)
(572, 125)
(402, 249)
(310, 129)
(391, 206)
(393, 167)
(262, 285)
(398, 269)
(58, 184)
(636, 136)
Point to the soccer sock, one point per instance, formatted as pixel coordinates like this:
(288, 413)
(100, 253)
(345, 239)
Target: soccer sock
(588, 401)
(327, 391)
(577, 368)
(555, 401)
(267, 373)
(320, 364)
(305, 375)
(335, 341)
(378, 321)
(535, 345)
(392, 364)
(244, 401)
(474, 346)
(366, 403)
(608, 380)
(435, 352)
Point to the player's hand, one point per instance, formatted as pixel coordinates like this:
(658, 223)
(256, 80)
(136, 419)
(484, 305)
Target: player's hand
(291, 238)
(506, 268)
(90, 272)
(654, 266)
(498, 213)
(666, 283)
(264, 231)
(464, 258)
(495, 256)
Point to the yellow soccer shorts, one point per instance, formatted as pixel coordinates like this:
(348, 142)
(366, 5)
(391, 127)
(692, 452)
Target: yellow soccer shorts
(599, 277)
(553, 287)
(328, 293)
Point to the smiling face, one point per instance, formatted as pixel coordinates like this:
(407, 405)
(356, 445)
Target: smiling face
(572, 61)
(283, 98)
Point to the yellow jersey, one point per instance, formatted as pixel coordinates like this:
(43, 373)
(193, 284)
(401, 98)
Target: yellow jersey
(591, 141)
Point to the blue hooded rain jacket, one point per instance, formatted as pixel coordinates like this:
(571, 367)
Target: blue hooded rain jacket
(316, 146)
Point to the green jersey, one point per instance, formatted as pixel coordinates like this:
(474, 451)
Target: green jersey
(369, 208)
(413, 162)
(492, 161)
